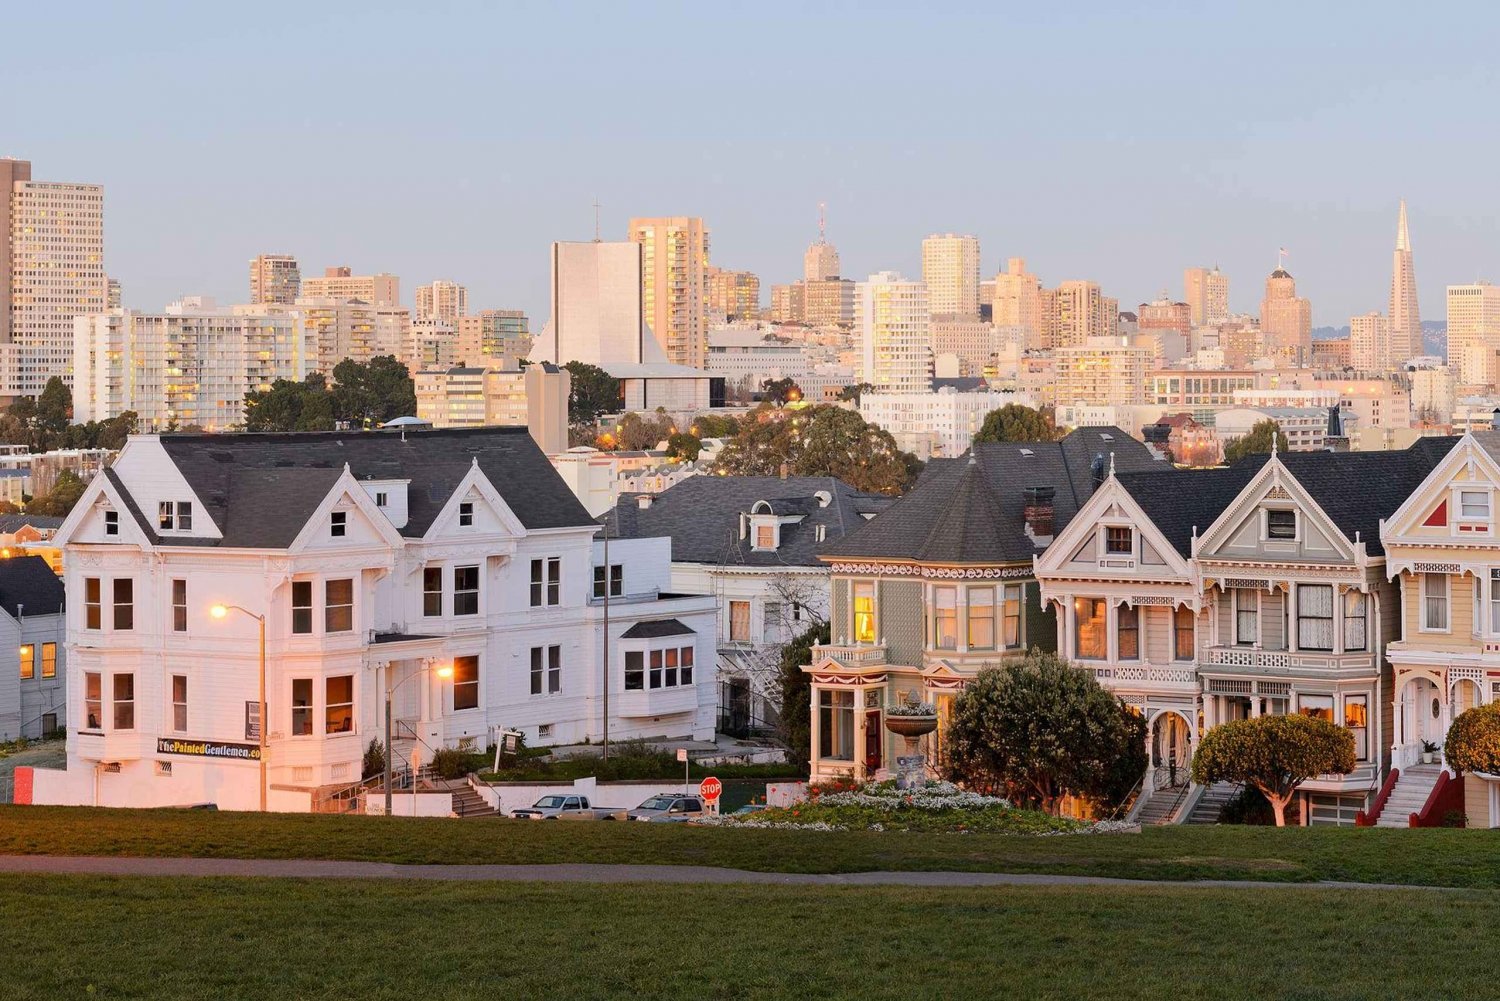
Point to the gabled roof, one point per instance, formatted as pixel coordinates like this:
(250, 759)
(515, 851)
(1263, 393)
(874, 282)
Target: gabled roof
(1178, 501)
(29, 587)
(260, 489)
(701, 515)
(972, 513)
(12, 523)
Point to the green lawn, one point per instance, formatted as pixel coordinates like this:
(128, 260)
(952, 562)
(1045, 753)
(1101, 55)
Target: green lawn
(1439, 857)
(169, 939)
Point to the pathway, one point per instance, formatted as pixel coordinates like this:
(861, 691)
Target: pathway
(590, 873)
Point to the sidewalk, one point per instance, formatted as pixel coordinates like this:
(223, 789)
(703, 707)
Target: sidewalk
(587, 873)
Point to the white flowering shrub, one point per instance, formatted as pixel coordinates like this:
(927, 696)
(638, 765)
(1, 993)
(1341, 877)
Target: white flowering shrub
(933, 796)
(911, 709)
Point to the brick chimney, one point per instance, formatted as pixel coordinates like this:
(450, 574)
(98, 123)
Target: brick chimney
(1038, 513)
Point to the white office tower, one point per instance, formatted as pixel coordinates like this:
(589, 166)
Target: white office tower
(596, 307)
(891, 324)
(950, 267)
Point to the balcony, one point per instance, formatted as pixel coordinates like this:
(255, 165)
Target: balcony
(850, 656)
(1249, 660)
(656, 702)
(1182, 677)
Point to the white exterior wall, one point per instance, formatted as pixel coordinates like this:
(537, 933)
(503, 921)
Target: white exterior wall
(218, 657)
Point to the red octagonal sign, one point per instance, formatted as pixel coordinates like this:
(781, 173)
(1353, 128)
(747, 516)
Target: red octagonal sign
(710, 788)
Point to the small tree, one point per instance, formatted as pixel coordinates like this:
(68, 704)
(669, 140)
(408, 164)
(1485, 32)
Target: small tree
(1473, 742)
(1041, 728)
(796, 697)
(1016, 422)
(1275, 754)
(1257, 442)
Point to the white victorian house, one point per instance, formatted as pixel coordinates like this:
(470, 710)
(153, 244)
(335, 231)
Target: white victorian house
(453, 568)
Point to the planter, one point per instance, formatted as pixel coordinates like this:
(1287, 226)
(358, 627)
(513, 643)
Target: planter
(1427, 757)
(910, 727)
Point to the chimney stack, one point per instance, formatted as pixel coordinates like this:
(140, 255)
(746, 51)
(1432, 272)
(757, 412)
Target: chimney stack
(1038, 513)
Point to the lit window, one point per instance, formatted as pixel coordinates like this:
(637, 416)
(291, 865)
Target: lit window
(28, 662)
(864, 613)
(1089, 638)
(945, 617)
(1117, 540)
(92, 702)
(338, 605)
(981, 618)
(338, 704)
(1128, 632)
(1182, 634)
(465, 682)
(1013, 601)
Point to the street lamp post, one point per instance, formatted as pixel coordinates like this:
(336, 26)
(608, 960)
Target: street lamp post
(219, 612)
(446, 671)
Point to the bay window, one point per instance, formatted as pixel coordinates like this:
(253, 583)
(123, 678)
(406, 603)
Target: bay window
(1316, 706)
(338, 605)
(1128, 632)
(432, 591)
(1356, 621)
(1183, 643)
(302, 707)
(338, 704)
(1090, 641)
(124, 701)
(1357, 721)
(635, 670)
(93, 701)
(1014, 597)
(864, 612)
(179, 703)
(1315, 617)
(836, 725)
(981, 618)
(302, 606)
(466, 590)
(945, 617)
(93, 606)
(124, 603)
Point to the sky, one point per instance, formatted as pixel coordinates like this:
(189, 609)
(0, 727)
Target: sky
(1108, 141)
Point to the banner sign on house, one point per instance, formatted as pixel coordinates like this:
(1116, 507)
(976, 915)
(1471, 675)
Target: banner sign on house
(252, 721)
(207, 749)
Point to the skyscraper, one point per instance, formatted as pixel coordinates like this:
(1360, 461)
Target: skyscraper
(1020, 302)
(275, 278)
(1286, 321)
(1207, 294)
(1083, 312)
(1370, 347)
(441, 300)
(821, 260)
(51, 270)
(1474, 332)
(1406, 320)
(674, 284)
(950, 267)
(891, 323)
(733, 295)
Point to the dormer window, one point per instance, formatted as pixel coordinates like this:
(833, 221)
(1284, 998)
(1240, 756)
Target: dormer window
(111, 523)
(174, 516)
(465, 514)
(765, 536)
(1118, 540)
(338, 526)
(1281, 524)
(381, 498)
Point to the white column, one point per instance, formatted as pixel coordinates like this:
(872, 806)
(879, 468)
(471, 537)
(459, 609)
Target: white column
(1290, 604)
(814, 737)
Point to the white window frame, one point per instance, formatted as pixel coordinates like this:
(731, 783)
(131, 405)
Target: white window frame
(1235, 607)
(111, 522)
(1447, 596)
(1265, 524)
(338, 525)
(1104, 531)
(1458, 504)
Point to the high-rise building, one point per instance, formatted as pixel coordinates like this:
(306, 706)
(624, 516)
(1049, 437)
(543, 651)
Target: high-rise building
(345, 329)
(1474, 332)
(1286, 321)
(597, 316)
(733, 295)
(1164, 314)
(51, 270)
(341, 283)
(789, 303)
(829, 302)
(493, 337)
(950, 267)
(1406, 319)
(114, 297)
(1370, 342)
(821, 261)
(971, 340)
(441, 300)
(275, 278)
(191, 364)
(535, 397)
(1102, 372)
(1020, 303)
(891, 322)
(1207, 294)
(674, 287)
(1084, 312)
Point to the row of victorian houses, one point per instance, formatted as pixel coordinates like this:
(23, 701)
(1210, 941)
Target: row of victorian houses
(1358, 587)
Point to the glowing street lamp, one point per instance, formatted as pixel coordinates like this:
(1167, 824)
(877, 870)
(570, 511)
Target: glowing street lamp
(445, 672)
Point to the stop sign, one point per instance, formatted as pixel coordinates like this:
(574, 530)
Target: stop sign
(710, 788)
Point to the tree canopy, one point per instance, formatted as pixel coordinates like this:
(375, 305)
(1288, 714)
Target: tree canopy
(1016, 422)
(819, 441)
(1473, 741)
(1040, 728)
(637, 431)
(851, 394)
(593, 391)
(1275, 754)
(43, 424)
(1257, 442)
(780, 392)
(363, 393)
(66, 490)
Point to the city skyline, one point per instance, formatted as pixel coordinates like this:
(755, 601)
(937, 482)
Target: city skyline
(1266, 166)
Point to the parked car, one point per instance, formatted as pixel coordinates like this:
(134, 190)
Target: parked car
(666, 808)
(561, 807)
(748, 809)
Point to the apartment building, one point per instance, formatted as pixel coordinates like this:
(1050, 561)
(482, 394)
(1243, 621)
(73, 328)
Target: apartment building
(443, 301)
(674, 289)
(342, 283)
(274, 278)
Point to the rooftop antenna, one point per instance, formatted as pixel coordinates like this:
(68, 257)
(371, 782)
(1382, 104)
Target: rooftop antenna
(596, 220)
(822, 222)
(1281, 255)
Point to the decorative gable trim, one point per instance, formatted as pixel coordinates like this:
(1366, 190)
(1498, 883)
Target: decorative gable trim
(1273, 482)
(346, 494)
(475, 480)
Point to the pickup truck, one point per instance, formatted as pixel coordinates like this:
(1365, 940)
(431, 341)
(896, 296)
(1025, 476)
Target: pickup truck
(666, 808)
(561, 807)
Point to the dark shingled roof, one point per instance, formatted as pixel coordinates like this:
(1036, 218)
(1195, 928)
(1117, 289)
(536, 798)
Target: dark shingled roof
(28, 581)
(1355, 489)
(971, 512)
(701, 515)
(12, 523)
(260, 489)
(655, 629)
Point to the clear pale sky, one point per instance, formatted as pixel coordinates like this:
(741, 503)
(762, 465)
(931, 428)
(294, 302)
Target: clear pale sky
(1098, 140)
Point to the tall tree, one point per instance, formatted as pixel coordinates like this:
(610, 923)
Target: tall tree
(780, 391)
(54, 408)
(373, 392)
(1016, 422)
(66, 490)
(1275, 754)
(1257, 442)
(1040, 728)
(593, 392)
(639, 432)
(819, 441)
(291, 406)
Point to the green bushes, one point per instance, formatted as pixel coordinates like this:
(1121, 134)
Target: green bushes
(1473, 743)
(451, 763)
(1275, 754)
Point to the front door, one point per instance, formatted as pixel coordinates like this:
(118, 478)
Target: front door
(874, 738)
